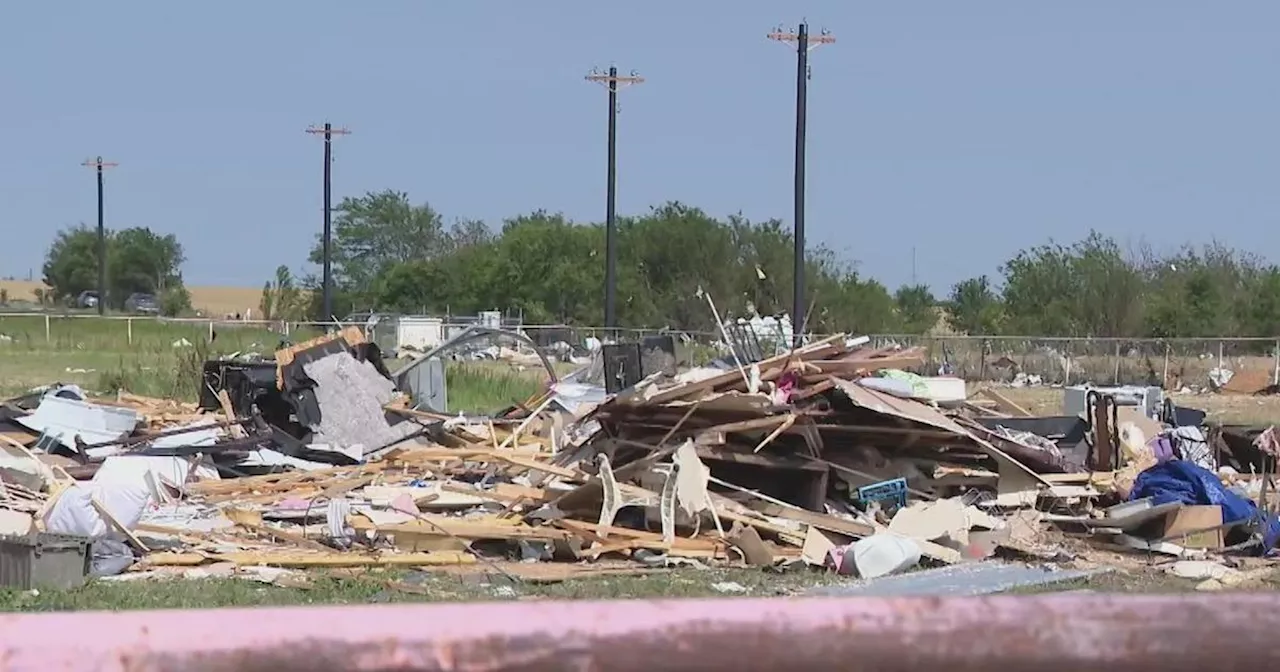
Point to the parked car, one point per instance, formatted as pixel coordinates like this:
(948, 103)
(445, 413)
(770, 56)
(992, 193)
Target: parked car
(144, 304)
(87, 299)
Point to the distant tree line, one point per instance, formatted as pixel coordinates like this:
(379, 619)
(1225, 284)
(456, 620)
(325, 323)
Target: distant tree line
(392, 254)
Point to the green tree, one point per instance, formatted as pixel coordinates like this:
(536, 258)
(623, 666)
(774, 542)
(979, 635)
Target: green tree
(917, 308)
(282, 299)
(138, 260)
(375, 231)
(974, 307)
(71, 263)
(175, 300)
(1087, 289)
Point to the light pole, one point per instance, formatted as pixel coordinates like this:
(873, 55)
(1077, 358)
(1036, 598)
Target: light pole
(613, 81)
(804, 43)
(99, 166)
(328, 131)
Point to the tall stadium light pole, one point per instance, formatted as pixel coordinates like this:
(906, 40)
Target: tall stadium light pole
(99, 167)
(613, 82)
(804, 43)
(328, 131)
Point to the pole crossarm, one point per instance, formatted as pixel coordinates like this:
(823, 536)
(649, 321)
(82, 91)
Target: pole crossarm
(321, 130)
(612, 79)
(99, 164)
(793, 37)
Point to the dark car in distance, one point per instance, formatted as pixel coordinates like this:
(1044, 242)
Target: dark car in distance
(87, 299)
(143, 304)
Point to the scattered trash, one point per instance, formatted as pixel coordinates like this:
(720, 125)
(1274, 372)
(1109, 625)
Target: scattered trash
(832, 455)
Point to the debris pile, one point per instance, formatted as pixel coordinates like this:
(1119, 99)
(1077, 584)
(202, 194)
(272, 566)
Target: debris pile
(830, 455)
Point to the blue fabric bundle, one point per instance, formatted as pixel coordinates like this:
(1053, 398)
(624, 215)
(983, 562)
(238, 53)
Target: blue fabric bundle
(1182, 481)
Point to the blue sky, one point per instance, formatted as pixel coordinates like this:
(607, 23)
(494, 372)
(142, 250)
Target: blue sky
(967, 130)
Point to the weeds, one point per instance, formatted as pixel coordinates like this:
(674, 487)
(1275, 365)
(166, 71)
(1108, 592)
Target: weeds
(476, 387)
(176, 376)
(166, 359)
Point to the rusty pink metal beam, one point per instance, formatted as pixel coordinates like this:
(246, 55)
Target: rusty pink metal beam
(1008, 634)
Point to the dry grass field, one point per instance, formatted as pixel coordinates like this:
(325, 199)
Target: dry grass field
(215, 301)
(1221, 408)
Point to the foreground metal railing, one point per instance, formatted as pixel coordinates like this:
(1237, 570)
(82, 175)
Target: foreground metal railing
(1067, 632)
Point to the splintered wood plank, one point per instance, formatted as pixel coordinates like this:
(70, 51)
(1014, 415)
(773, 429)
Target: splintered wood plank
(822, 348)
(693, 548)
(302, 560)
(848, 366)
(224, 402)
(462, 529)
(1004, 403)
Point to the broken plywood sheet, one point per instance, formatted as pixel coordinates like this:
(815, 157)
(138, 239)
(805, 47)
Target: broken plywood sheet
(942, 519)
(351, 395)
(818, 544)
(917, 412)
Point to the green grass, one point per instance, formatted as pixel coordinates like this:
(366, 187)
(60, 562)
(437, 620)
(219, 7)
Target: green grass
(484, 584)
(164, 359)
(481, 387)
(72, 333)
(384, 587)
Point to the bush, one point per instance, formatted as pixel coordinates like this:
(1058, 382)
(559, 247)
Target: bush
(175, 301)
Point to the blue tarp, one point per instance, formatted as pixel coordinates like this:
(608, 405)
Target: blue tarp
(1186, 482)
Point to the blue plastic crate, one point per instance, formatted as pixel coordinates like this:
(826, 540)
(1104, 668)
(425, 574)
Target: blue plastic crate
(894, 490)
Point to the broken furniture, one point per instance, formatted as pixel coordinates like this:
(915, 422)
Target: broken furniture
(1101, 410)
(617, 496)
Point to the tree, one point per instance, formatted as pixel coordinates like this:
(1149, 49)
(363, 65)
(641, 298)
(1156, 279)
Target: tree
(281, 297)
(375, 231)
(138, 260)
(394, 255)
(175, 300)
(917, 309)
(71, 263)
(1087, 289)
(974, 307)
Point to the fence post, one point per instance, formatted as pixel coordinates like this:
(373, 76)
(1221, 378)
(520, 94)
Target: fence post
(1220, 354)
(48, 336)
(1164, 379)
(1275, 374)
(1117, 370)
(1066, 367)
(210, 331)
(128, 323)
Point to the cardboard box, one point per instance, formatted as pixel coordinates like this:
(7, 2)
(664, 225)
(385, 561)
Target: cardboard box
(1195, 527)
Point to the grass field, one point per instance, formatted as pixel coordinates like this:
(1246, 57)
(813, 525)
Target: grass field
(163, 358)
(1220, 408)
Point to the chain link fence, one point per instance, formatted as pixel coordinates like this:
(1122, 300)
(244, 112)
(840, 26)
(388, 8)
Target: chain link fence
(1173, 363)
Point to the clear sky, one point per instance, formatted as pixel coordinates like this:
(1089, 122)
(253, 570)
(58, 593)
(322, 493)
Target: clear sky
(966, 130)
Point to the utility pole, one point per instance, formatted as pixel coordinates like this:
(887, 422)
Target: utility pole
(99, 166)
(328, 131)
(614, 82)
(804, 43)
